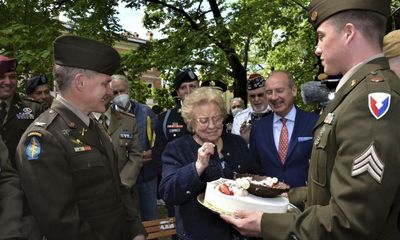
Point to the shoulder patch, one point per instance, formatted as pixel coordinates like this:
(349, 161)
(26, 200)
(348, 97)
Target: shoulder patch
(33, 149)
(378, 104)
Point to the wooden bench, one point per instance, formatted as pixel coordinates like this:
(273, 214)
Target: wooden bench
(163, 227)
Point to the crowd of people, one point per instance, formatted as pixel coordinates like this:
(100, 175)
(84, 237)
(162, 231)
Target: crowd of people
(91, 163)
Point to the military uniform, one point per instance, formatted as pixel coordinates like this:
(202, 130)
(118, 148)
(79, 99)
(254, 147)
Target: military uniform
(124, 135)
(20, 114)
(71, 179)
(10, 198)
(353, 183)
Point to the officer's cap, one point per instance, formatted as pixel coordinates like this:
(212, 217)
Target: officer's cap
(255, 81)
(320, 10)
(186, 75)
(7, 64)
(391, 44)
(215, 84)
(85, 53)
(35, 81)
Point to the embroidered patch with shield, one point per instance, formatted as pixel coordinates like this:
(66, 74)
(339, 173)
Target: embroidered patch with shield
(378, 104)
(368, 162)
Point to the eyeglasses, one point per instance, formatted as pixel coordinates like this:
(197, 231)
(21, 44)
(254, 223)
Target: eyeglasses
(205, 121)
(259, 95)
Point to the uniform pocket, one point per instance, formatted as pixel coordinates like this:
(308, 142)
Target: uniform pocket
(89, 173)
(319, 156)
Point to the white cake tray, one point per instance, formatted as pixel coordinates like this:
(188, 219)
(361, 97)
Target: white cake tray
(200, 198)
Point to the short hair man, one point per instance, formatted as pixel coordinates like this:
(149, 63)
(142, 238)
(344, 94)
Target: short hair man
(236, 105)
(16, 113)
(391, 49)
(67, 165)
(282, 142)
(353, 183)
(146, 122)
(37, 88)
(258, 101)
(122, 128)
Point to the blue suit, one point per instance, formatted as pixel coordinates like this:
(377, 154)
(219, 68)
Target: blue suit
(263, 150)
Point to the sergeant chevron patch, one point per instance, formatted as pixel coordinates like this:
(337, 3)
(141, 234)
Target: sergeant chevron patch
(368, 162)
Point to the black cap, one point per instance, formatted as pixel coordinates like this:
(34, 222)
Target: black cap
(85, 53)
(215, 84)
(186, 75)
(255, 81)
(35, 81)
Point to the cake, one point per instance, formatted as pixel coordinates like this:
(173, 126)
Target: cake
(230, 195)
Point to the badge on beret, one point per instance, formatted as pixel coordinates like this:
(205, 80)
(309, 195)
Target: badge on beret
(33, 149)
(368, 162)
(378, 104)
(191, 74)
(255, 83)
(314, 16)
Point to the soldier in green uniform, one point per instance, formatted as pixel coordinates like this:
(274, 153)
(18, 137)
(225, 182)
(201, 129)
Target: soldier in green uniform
(122, 128)
(16, 113)
(353, 187)
(67, 164)
(10, 198)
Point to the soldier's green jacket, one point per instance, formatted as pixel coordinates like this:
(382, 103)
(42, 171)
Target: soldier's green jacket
(125, 138)
(344, 200)
(20, 115)
(10, 198)
(71, 180)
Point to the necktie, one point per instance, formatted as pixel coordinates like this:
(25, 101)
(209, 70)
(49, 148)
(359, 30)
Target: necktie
(3, 112)
(283, 141)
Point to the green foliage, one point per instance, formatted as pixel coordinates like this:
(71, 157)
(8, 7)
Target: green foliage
(29, 28)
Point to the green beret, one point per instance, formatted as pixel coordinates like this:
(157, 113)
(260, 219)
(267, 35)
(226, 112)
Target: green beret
(85, 53)
(391, 44)
(320, 10)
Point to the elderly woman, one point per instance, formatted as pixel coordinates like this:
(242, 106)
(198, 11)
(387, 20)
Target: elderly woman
(193, 160)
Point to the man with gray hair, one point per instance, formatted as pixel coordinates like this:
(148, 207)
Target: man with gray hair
(146, 123)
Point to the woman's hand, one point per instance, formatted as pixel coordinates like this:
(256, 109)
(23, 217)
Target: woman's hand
(203, 157)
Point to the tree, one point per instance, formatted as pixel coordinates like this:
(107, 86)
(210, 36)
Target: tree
(29, 28)
(225, 39)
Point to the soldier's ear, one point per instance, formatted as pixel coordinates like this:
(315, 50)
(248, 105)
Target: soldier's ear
(79, 82)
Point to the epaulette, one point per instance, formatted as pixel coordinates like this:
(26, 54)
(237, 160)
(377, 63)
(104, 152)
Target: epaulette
(45, 119)
(126, 113)
(26, 99)
(376, 82)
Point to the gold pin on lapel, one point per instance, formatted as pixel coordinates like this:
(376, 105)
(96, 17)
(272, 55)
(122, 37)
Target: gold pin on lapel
(353, 82)
(83, 131)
